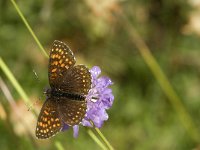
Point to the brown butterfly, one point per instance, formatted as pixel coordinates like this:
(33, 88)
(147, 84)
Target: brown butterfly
(69, 85)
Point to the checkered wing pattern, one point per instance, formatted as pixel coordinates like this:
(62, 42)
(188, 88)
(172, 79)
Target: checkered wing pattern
(61, 59)
(77, 80)
(72, 111)
(49, 122)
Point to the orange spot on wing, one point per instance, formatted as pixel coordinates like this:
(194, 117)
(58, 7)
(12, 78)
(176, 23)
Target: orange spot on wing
(60, 61)
(54, 70)
(46, 112)
(62, 65)
(41, 123)
(49, 122)
(53, 56)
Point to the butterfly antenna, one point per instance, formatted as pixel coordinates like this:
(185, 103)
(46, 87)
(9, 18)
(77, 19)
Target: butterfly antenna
(36, 76)
(36, 102)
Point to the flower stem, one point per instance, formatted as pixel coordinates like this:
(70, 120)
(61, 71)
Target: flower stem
(29, 28)
(58, 145)
(102, 137)
(94, 137)
(14, 82)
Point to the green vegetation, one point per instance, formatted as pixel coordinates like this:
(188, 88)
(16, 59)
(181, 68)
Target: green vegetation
(148, 113)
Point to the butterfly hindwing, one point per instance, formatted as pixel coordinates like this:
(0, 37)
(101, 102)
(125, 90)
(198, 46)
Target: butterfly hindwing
(49, 122)
(72, 111)
(60, 60)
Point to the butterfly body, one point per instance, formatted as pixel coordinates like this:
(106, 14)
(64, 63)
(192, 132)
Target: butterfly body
(66, 97)
(57, 94)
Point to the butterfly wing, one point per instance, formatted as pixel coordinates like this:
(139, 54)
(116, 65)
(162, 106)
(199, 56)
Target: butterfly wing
(66, 77)
(49, 122)
(77, 80)
(72, 111)
(60, 60)
(63, 74)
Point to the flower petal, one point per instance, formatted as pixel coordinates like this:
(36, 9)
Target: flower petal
(65, 127)
(99, 99)
(95, 71)
(75, 129)
(86, 123)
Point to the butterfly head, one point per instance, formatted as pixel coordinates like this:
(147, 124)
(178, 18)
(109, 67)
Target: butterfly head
(47, 92)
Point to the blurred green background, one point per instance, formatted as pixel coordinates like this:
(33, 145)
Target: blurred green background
(142, 118)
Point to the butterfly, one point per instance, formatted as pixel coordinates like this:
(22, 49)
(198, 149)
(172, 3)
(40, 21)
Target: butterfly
(66, 97)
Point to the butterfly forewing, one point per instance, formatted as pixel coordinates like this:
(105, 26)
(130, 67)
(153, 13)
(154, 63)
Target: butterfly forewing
(61, 59)
(77, 80)
(72, 111)
(49, 122)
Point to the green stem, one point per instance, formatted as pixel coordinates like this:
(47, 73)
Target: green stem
(102, 137)
(29, 28)
(58, 145)
(94, 137)
(14, 82)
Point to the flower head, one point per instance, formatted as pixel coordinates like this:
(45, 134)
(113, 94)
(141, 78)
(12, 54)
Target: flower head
(99, 99)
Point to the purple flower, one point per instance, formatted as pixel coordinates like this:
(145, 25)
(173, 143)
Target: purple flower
(99, 99)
